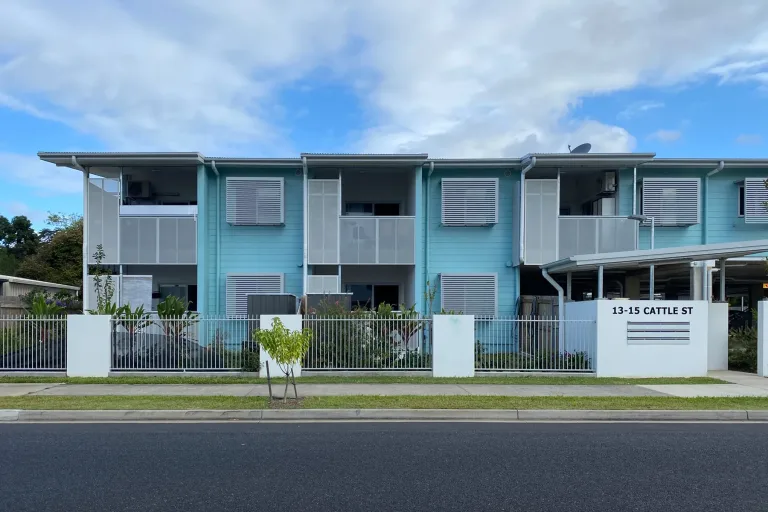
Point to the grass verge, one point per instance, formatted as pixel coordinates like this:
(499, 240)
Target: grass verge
(383, 402)
(224, 379)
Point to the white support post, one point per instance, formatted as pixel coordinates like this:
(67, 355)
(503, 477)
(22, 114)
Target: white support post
(723, 298)
(292, 323)
(762, 338)
(453, 346)
(89, 345)
(600, 282)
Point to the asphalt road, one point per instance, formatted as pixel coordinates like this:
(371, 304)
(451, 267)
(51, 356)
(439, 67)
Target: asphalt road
(383, 466)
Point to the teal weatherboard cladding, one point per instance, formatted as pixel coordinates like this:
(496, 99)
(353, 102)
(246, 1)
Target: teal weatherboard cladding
(475, 250)
(254, 249)
(719, 209)
(202, 234)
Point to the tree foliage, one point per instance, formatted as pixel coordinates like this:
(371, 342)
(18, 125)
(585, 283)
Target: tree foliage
(59, 253)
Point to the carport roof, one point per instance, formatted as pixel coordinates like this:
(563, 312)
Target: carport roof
(648, 257)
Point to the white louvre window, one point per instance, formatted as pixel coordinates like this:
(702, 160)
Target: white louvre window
(755, 200)
(469, 294)
(470, 201)
(239, 286)
(671, 201)
(255, 201)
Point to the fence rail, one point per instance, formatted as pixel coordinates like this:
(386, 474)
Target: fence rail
(366, 343)
(33, 344)
(535, 344)
(184, 344)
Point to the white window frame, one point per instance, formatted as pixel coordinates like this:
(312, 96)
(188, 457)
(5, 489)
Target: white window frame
(233, 221)
(741, 201)
(495, 220)
(495, 277)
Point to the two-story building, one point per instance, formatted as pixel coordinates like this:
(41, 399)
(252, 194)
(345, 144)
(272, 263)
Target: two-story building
(461, 234)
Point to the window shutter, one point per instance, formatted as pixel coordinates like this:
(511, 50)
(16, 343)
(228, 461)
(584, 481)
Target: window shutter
(239, 286)
(470, 294)
(671, 201)
(755, 200)
(470, 201)
(255, 201)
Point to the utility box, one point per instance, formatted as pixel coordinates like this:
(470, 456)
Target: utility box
(271, 304)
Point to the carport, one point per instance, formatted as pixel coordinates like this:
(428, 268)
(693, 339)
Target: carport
(634, 260)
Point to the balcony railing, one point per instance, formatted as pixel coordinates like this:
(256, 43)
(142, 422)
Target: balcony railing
(370, 240)
(595, 235)
(158, 210)
(158, 240)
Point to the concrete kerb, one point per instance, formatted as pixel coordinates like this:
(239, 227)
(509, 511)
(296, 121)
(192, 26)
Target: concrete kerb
(277, 415)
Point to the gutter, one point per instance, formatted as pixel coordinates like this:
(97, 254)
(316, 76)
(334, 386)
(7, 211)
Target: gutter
(218, 240)
(305, 256)
(705, 234)
(86, 291)
(426, 232)
(523, 172)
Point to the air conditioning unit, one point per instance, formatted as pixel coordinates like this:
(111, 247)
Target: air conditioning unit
(139, 189)
(609, 182)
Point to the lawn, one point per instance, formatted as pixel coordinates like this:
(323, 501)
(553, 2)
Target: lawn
(224, 379)
(383, 402)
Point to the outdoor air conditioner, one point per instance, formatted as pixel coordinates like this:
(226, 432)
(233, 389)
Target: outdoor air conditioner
(609, 181)
(139, 189)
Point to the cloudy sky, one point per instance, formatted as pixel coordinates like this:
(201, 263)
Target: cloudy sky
(454, 78)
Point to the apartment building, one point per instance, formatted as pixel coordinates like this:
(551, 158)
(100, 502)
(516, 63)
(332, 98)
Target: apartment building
(462, 234)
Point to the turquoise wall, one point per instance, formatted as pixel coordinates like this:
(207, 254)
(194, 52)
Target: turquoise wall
(257, 249)
(474, 249)
(719, 212)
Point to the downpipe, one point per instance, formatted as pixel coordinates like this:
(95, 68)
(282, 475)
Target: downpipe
(426, 235)
(705, 227)
(523, 172)
(560, 307)
(218, 235)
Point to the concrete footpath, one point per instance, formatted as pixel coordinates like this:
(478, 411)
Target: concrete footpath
(739, 385)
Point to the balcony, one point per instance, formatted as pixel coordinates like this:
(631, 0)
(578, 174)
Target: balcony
(157, 210)
(158, 240)
(595, 235)
(367, 240)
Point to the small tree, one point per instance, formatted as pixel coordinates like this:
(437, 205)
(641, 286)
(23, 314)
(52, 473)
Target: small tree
(285, 347)
(105, 288)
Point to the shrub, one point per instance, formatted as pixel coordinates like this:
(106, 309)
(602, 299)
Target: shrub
(742, 349)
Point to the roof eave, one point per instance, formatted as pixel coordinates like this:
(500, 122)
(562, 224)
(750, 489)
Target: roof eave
(90, 159)
(589, 160)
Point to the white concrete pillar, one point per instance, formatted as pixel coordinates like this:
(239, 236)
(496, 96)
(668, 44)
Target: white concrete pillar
(717, 336)
(89, 345)
(453, 346)
(762, 338)
(292, 323)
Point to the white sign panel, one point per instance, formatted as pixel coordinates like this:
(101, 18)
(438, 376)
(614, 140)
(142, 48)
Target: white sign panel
(641, 338)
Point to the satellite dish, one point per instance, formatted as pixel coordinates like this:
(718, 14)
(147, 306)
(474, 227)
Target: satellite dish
(581, 149)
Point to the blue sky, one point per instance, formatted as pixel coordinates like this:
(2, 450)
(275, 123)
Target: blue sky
(269, 78)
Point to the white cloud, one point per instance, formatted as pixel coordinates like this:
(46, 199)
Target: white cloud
(746, 139)
(43, 178)
(12, 209)
(638, 108)
(459, 78)
(666, 135)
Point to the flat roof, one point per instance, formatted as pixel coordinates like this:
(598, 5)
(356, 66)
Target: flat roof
(648, 257)
(588, 159)
(543, 160)
(34, 282)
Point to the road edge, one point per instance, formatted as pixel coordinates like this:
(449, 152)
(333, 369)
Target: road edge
(29, 415)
